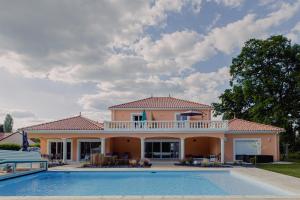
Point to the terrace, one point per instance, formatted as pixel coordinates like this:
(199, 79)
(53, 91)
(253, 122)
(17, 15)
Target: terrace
(154, 126)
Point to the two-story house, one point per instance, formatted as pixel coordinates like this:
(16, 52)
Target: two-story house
(157, 128)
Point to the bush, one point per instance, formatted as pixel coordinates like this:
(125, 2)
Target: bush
(14, 147)
(294, 156)
(35, 145)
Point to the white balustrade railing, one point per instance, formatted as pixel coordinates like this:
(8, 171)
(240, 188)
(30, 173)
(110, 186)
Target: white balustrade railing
(164, 125)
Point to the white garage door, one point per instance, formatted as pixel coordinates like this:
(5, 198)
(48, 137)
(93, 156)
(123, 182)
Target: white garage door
(247, 147)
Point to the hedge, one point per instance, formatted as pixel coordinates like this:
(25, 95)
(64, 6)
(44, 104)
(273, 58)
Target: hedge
(15, 147)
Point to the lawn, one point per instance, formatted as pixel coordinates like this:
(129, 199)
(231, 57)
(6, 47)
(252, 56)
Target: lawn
(288, 169)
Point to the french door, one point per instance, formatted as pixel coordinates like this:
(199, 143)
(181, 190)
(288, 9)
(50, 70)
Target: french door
(56, 149)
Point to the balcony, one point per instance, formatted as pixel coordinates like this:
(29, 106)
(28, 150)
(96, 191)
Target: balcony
(163, 126)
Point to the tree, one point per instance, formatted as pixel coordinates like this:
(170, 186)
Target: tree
(265, 86)
(8, 124)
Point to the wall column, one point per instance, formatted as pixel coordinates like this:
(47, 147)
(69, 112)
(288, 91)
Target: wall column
(64, 140)
(103, 146)
(222, 150)
(142, 148)
(182, 146)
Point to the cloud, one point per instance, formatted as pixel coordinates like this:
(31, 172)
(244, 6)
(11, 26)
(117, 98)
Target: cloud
(230, 3)
(294, 34)
(180, 50)
(57, 34)
(201, 87)
(17, 113)
(107, 45)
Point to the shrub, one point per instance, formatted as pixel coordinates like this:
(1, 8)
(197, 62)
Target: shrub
(294, 156)
(14, 147)
(35, 145)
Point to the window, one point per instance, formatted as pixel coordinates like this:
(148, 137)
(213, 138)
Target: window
(247, 147)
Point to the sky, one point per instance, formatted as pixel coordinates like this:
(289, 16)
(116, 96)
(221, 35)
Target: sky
(62, 57)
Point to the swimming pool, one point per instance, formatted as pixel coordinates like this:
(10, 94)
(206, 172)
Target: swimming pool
(133, 183)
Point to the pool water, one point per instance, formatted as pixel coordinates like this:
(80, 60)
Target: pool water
(133, 183)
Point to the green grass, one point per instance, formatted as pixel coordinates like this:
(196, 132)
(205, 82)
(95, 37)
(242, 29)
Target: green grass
(287, 169)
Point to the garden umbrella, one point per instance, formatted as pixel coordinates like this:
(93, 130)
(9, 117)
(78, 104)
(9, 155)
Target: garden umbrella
(25, 144)
(144, 116)
(191, 113)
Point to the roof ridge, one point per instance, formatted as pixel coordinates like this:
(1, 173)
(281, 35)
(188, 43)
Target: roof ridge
(99, 124)
(189, 101)
(45, 123)
(130, 102)
(162, 98)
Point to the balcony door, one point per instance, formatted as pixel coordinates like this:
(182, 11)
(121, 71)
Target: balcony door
(136, 118)
(181, 120)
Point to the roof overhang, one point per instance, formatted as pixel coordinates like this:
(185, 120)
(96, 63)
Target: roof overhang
(63, 131)
(253, 132)
(183, 108)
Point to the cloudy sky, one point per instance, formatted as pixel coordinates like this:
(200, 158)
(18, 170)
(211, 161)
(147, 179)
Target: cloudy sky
(62, 57)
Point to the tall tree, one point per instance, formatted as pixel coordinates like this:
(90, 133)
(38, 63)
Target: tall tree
(265, 86)
(8, 123)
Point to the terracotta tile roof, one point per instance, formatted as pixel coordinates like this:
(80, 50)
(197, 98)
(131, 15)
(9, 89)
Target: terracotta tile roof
(162, 102)
(72, 123)
(244, 125)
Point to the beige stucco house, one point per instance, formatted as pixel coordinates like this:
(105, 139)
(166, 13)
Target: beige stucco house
(173, 129)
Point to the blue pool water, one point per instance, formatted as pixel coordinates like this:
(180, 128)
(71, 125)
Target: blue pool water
(132, 183)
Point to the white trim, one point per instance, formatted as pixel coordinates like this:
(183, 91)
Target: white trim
(243, 139)
(164, 131)
(85, 140)
(59, 140)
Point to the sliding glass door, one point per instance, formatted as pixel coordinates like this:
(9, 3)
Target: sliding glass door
(86, 149)
(162, 149)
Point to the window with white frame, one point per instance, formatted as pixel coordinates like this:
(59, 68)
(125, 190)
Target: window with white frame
(247, 147)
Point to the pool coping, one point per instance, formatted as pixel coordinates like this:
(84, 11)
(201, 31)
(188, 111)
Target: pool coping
(273, 179)
(200, 197)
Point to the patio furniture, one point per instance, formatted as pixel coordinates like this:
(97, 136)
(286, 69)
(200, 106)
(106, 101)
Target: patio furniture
(212, 158)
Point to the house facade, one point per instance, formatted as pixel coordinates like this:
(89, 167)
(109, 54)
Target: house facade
(158, 128)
